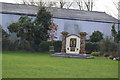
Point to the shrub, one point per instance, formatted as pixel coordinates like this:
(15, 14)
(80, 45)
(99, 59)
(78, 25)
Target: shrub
(106, 54)
(110, 57)
(91, 47)
(57, 46)
(14, 46)
(24, 45)
(115, 54)
(101, 53)
(95, 53)
(107, 45)
(96, 36)
(5, 40)
(44, 46)
(5, 44)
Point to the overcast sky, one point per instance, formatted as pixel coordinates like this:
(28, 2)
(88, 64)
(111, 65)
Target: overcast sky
(100, 5)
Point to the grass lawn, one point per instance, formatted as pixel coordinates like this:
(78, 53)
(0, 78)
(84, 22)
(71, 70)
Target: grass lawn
(33, 65)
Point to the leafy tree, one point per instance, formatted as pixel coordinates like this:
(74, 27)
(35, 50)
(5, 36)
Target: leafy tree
(52, 32)
(4, 34)
(23, 28)
(33, 31)
(115, 34)
(41, 25)
(96, 36)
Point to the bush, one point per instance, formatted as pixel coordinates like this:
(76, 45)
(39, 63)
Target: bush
(115, 54)
(5, 44)
(24, 45)
(107, 45)
(96, 36)
(44, 46)
(91, 47)
(106, 54)
(5, 40)
(57, 46)
(101, 53)
(110, 57)
(95, 53)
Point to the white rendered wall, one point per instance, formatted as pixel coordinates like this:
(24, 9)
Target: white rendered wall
(72, 26)
(7, 19)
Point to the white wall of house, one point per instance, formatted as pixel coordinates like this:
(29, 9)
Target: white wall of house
(74, 27)
(71, 26)
(7, 19)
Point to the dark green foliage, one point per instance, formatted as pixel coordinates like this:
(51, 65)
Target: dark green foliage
(23, 28)
(115, 34)
(118, 36)
(110, 57)
(32, 33)
(91, 47)
(5, 40)
(106, 54)
(96, 36)
(24, 45)
(57, 46)
(4, 34)
(95, 53)
(44, 46)
(5, 44)
(107, 45)
(41, 25)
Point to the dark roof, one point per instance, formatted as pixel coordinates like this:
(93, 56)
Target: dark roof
(59, 12)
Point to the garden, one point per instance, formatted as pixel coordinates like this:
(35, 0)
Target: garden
(29, 55)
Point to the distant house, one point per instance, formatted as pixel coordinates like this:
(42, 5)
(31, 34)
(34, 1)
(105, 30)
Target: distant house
(72, 21)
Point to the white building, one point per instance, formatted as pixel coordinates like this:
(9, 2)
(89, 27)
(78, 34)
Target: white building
(72, 21)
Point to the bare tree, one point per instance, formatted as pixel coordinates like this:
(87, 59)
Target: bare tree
(80, 4)
(33, 2)
(51, 4)
(40, 3)
(89, 4)
(61, 3)
(117, 6)
(28, 2)
(85, 4)
(69, 4)
(114, 10)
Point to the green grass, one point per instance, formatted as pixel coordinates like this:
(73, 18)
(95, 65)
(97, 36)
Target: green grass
(33, 65)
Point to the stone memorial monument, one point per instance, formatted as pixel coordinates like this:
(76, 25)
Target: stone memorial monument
(73, 46)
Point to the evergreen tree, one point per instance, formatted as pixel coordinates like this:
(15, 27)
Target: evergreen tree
(33, 31)
(96, 36)
(41, 25)
(115, 34)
